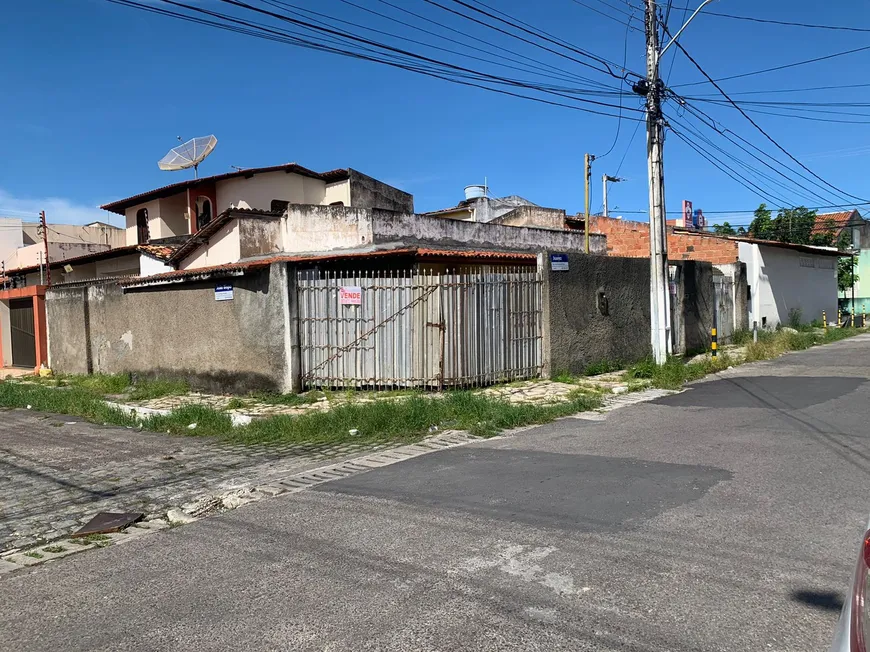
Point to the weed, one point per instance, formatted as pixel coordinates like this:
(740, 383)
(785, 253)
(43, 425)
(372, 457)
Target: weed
(602, 367)
(795, 318)
(34, 554)
(145, 390)
(564, 376)
(54, 549)
(287, 399)
(235, 404)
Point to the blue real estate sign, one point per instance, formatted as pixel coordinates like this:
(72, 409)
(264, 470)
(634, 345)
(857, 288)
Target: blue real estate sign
(223, 292)
(559, 262)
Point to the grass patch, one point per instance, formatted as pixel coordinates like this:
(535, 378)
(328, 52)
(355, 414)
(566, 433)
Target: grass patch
(54, 549)
(675, 373)
(290, 400)
(602, 367)
(34, 555)
(145, 390)
(74, 401)
(564, 376)
(408, 420)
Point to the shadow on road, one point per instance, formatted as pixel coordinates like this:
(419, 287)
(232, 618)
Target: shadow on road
(825, 600)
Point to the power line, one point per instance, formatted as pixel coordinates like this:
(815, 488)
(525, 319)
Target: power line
(619, 121)
(788, 23)
(429, 67)
(791, 90)
(521, 27)
(724, 132)
(762, 131)
(627, 24)
(518, 58)
(775, 68)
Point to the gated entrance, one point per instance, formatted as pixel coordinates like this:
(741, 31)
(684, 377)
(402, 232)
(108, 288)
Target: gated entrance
(23, 333)
(413, 329)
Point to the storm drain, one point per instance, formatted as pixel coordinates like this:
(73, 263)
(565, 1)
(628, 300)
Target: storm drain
(306, 479)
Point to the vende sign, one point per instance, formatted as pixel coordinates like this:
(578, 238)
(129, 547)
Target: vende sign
(350, 295)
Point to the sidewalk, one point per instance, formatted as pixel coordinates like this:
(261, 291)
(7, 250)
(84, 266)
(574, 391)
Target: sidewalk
(57, 472)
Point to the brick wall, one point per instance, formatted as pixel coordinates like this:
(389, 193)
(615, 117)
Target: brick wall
(631, 239)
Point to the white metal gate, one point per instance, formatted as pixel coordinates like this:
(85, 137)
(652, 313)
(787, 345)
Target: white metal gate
(419, 329)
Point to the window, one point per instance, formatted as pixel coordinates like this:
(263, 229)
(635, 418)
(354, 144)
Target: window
(807, 262)
(142, 234)
(203, 212)
(279, 205)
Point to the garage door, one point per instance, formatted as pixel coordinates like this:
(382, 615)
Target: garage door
(23, 333)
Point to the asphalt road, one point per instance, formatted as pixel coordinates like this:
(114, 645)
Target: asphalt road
(723, 518)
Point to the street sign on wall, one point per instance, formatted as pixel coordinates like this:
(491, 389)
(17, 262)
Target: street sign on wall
(559, 262)
(223, 292)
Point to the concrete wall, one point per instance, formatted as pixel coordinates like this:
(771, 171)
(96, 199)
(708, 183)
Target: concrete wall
(149, 266)
(397, 227)
(367, 192)
(325, 228)
(577, 332)
(536, 216)
(172, 220)
(259, 190)
(693, 305)
(259, 235)
(35, 254)
(782, 280)
(222, 248)
(11, 238)
(121, 266)
(177, 330)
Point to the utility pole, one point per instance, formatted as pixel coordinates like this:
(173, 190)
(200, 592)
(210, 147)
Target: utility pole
(587, 167)
(660, 309)
(604, 179)
(44, 228)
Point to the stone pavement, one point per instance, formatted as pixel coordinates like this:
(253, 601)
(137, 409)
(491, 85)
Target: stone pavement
(57, 472)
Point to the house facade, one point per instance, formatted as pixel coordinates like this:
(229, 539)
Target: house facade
(783, 281)
(184, 208)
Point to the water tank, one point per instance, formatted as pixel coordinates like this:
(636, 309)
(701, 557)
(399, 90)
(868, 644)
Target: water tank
(475, 192)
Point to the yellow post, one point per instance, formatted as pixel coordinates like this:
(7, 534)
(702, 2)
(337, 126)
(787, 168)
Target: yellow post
(839, 317)
(863, 315)
(587, 172)
(825, 320)
(713, 344)
(852, 317)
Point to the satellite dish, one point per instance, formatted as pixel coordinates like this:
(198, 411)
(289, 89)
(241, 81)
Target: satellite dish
(188, 155)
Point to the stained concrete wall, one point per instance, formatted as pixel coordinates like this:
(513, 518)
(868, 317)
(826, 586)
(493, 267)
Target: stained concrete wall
(693, 305)
(177, 330)
(367, 192)
(411, 229)
(325, 228)
(578, 331)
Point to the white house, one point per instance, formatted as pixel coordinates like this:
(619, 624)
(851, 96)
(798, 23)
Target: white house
(789, 280)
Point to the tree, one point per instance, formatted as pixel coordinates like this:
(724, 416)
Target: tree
(844, 273)
(724, 229)
(762, 225)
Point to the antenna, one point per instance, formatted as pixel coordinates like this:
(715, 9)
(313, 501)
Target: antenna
(188, 155)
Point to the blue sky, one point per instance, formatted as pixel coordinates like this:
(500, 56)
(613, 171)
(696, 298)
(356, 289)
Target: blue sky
(94, 94)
